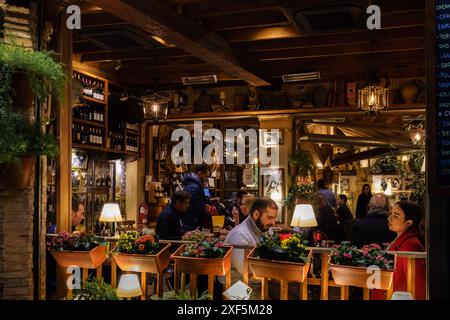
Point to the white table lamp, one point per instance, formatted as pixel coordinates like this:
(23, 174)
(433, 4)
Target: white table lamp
(110, 213)
(129, 286)
(304, 216)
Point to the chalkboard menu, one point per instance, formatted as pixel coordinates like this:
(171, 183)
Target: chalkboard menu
(442, 47)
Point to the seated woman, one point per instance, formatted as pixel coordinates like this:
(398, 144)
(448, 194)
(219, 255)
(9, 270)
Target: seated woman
(405, 219)
(246, 205)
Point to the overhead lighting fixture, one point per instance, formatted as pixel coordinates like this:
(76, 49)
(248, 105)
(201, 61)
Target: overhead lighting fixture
(306, 76)
(329, 120)
(372, 99)
(187, 81)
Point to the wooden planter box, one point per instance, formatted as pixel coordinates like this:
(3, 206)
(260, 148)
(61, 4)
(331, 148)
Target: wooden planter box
(281, 270)
(357, 276)
(209, 266)
(151, 263)
(84, 259)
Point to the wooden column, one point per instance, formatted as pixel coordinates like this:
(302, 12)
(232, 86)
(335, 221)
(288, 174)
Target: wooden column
(211, 285)
(228, 280)
(63, 170)
(245, 275)
(344, 293)
(284, 290)
(99, 273)
(193, 284)
(159, 283)
(113, 273)
(411, 276)
(366, 294)
(264, 288)
(144, 285)
(324, 282)
(304, 290)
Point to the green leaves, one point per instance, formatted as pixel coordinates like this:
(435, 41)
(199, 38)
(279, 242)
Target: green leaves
(92, 289)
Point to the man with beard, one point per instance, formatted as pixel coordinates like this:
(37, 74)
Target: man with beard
(262, 216)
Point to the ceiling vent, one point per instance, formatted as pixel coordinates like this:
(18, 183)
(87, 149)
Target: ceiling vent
(187, 81)
(327, 18)
(306, 76)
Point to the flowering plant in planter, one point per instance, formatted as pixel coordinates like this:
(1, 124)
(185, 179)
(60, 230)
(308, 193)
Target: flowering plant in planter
(195, 236)
(74, 242)
(368, 255)
(131, 242)
(283, 245)
(208, 247)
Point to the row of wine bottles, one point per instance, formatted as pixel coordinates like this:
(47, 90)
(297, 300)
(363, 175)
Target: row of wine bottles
(87, 135)
(91, 87)
(132, 144)
(89, 113)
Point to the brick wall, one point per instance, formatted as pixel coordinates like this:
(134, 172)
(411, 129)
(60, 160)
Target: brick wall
(16, 243)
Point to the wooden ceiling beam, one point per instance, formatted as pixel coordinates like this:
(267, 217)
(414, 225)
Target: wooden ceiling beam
(156, 18)
(221, 7)
(369, 154)
(333, 39)
(132, 54)
(410, 44)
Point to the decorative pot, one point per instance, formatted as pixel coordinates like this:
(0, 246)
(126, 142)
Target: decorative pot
(17, 176)
(84, 259)
(151, 263)
(320, 96)
(209, 266)
(409, 91)
(281, 270)
(358, 276)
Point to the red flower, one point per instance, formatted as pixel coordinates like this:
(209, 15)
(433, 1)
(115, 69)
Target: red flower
(284, 236)
(141, 247)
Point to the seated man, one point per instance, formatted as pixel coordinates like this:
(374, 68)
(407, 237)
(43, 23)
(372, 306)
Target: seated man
(169, 224)
(344, 216)
(77, 214)
(262, 216)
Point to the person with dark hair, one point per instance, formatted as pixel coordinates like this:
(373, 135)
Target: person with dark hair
(169, 225)
(374, 228)
(262, 216)
(196, 215)
(236, 210)
(77, 213)
(405, 220)
(327, 221)
(344, 216)
(327, 194)
(362, 205)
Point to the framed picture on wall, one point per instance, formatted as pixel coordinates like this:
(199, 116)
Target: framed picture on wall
(271, 138)
(273, 187)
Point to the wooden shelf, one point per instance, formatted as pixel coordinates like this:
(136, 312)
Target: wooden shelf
(105, 150)
(89, 123)
(129, 131)
(93, 100)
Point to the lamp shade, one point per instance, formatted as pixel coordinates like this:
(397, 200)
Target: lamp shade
(129, 286)
(110, 213)
(304, 216)
(402, 295)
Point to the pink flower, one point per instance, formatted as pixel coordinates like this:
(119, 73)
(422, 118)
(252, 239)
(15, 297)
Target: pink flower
(284, 236)
(218, 245)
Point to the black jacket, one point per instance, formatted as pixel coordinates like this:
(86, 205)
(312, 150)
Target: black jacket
(168, 225)
(372, 229)
(344, 214)
(362, 206)
(196, 214)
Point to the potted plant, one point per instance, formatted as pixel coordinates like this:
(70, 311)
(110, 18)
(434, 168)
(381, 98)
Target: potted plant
(299, 192)
(79, 249)
(300, 163)
(92, 289)
(182, 295)
(349, 265)
(21, 137)
(141, 253)
(206, 256)
(281, 254)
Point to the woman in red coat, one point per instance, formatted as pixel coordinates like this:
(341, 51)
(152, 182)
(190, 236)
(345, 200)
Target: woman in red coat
(405, 219)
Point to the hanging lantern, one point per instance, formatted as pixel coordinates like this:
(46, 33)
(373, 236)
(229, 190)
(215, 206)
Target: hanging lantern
(372, 99)
(155, 107)
(417, 136)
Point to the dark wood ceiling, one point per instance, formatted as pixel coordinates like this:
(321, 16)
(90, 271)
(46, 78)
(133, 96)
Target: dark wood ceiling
(242, 41)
